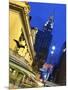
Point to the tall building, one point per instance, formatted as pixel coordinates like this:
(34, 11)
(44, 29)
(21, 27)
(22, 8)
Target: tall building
(61, 72)
(43, 40)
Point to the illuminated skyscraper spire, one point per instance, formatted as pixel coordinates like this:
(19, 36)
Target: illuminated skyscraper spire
(49, 24)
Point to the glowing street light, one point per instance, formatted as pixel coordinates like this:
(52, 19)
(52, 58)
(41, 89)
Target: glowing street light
(53, 47)
(52, 52)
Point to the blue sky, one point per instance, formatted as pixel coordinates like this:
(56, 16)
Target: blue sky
(40, 13)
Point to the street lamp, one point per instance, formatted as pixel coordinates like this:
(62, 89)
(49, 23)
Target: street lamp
(53, 47)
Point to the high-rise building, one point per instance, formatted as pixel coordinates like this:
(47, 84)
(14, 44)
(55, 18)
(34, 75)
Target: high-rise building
(43, 40)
